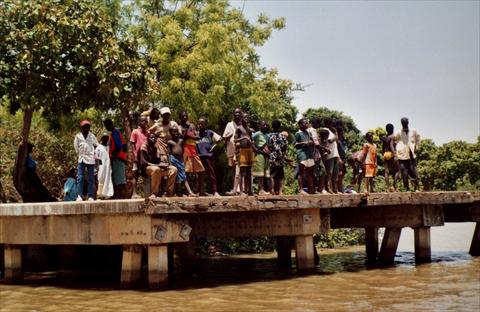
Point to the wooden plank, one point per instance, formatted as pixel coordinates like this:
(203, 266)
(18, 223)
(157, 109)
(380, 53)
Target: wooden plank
(91, 229)
(304, 253)
(246, 224)
(371, 243)
(131, 266)
(475, 245)
(423, 252)
(391, 237)
(13, 263)
(157, 266)
(386, 216)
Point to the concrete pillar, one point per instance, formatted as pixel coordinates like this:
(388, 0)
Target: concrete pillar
(131, 266)
(475, 246)
(13, 263)
(304, 253)
(284, 251)
(186, 252)
(371, 243)
(157, 266)
(423, 253)
(390, 241)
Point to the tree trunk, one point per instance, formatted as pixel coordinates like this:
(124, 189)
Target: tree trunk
(130, 158)
(3, 198)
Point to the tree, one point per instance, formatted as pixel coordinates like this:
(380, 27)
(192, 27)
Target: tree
(51, 54)
(205, 61)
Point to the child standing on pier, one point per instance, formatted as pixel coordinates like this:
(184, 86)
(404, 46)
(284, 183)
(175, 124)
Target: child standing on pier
(205, 146)
(244, 155)
(262, 161)
(369, 151)
(277, 145)
(304, 145)
(176, 159)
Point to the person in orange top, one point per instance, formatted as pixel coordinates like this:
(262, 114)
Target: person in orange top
(369, 151)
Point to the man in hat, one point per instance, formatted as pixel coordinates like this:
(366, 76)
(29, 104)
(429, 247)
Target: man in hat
(162, 127)
(407, 141)
(84, 144)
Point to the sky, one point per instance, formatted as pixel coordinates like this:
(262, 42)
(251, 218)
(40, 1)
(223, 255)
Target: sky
(379, 61)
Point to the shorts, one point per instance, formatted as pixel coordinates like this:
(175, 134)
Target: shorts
(370, 170)
(245, 156)
(261, 168)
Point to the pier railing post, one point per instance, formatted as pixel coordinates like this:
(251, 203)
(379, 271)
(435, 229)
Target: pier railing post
(304, 253)
(423, 251)
(157, 266)
(131, 266)
(13, 263)
(475, 246)
(390, 241)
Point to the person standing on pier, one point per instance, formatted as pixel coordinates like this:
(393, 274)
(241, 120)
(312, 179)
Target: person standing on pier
(261, 168)
(278, 145)
(205, 146)
(176, 157)
(229, 137)
(245, 155)
(118, 157)
(137, 138)
(331, 160)
(305, 146)
(104, 175)
(369, 155)
(162, 127)
(319, 171)
(407, 140)
(84, 144)
(390, 160)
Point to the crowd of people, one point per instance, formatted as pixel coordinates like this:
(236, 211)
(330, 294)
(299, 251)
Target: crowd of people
(169, 153)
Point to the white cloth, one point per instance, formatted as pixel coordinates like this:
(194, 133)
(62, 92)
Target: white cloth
(332, 145)
(85, 148)
(105, 185)
(406, 142)
(230, 130)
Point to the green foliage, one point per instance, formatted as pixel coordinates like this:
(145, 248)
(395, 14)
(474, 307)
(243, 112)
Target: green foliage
(340, 238)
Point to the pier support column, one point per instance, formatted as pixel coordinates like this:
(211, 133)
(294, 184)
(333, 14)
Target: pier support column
(390, 241)
(157, 266)
(186, 252)
(13, 263)
(304, 253)
(131, 266)
(475, 246)
(284, 251)
(371, 243)
(423, 253)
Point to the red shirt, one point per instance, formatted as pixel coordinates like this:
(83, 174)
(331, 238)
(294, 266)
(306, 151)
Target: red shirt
(138, 137)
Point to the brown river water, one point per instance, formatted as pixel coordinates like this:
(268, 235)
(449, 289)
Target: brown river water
(342, 282)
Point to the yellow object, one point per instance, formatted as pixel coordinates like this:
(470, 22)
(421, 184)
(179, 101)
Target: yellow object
(387, 155)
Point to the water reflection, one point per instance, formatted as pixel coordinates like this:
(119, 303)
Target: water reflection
(343, 281)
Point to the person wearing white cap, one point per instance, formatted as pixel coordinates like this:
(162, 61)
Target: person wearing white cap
(84, 144)
(162, 127)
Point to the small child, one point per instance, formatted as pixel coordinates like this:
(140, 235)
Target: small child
(176, 158)
(207, 142)
(369, 151)
(324, 151)
(262, 161)
(277, 145)
(244, 154)
(104, 175)
(70, 186)
(304, 145)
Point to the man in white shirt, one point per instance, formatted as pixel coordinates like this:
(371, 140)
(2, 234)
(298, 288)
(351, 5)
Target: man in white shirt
(84, 144)
(406, 143)
(229, 137)
(331, 159)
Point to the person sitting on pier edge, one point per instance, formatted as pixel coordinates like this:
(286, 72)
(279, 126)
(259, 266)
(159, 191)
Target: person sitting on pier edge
(70, 186)
(277, 145)
(407, 141)
(244, 155)
(369, 155)
(390, 161)
(137, 138)
(305, 146)
(84, 144)
(193, 164)
(261, 168)
(205, 146)
(229, 137)
(104, 174)
(176, 159)
(154, 162)
(118, 159)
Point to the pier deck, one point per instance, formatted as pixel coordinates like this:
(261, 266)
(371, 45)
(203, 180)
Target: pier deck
(292, 219)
